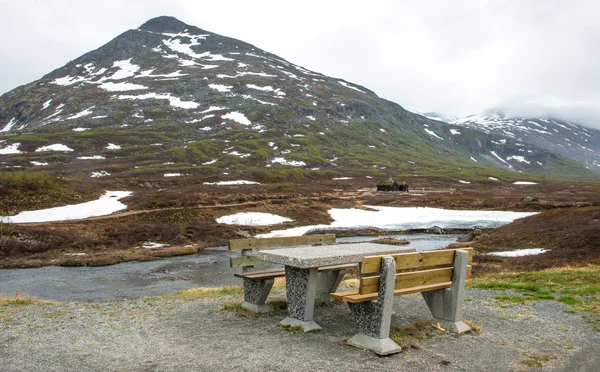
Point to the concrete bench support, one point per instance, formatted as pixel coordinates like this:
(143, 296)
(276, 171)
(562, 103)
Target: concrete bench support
(374, 317)
(301, 285)
(328, 282)
(446, 304)
(256, 293)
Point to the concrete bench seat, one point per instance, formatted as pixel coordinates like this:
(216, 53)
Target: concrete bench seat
(438, 275)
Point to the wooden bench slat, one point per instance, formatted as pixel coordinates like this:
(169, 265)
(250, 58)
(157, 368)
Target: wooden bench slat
(411, 279)
(398, 292)
(261, 274)
(287, 241)
(341, 295)
(405, 261)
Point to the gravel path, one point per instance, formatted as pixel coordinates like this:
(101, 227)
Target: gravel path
(180, 335)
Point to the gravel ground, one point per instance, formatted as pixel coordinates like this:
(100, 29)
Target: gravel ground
(180, 335)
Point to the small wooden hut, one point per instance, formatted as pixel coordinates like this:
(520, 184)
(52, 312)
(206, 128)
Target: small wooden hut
(392, 186)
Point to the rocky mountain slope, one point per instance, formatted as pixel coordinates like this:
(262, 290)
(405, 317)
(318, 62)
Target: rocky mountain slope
(171, 99)
(569, 139)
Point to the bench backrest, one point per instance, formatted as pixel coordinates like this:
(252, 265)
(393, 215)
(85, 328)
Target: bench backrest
(247, 245)
(415, 272)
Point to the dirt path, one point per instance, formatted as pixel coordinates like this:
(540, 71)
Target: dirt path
(181, 335)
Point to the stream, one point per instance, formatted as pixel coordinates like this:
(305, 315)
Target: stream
(208, 268)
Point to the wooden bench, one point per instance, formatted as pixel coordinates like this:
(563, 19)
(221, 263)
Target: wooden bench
(258, 284)
(439, 276)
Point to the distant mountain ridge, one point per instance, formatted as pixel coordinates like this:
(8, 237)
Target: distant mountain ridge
(171, 98)
(566, 138)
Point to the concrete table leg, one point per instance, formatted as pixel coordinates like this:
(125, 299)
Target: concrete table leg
(328, 282)
(301, 285)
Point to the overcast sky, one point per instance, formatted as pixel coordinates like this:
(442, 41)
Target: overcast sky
(455, 57)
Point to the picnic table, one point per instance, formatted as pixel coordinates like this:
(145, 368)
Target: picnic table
(302, 275)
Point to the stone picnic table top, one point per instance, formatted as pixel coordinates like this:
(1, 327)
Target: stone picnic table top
(328, 255)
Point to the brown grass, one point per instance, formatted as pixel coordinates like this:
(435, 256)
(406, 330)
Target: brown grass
(572, 235)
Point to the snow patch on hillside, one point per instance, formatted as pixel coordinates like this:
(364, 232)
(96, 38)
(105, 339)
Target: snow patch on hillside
(121, 87)
(106, 204)
(55, 147)
(13, 148)
(283, 161)
(343, 83)
(237, 117)
(173, 101)
(252, 219)
(229, 183)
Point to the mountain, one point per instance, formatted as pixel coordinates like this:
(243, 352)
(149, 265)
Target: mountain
(171, 99)
(568, 139)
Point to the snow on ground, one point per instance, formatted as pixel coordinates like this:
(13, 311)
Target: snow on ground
(398, 218)
(9, 125)
(493, 178)
(13, 148)
(121, 87)
(94, 157)
(432, 133)
(461, 181)
(284, 161)
(454, 131)
(112, 146)
(518, 158)
(524, 183)
(106, 204)
(349, 86)
(253, 219)
(342, 178)
(520, 252)
(227, 183)
(173, 101)
(54, 147)
(148, 73)
(472, 158)
(38, 163)
(220, 87)
(498, 157)
(213, 108)
(126, 69)
(100, 174)
(210, 162)
(81, 114)
(46, 104)
(266, 88)
(153, 245)
(173, 174)
(310, 117)
(80, 129)
(237, 117)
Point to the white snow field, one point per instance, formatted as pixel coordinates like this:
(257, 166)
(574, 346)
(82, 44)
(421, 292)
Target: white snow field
(524, 183)
(252, 219)
(106, 204)
(520, 252)
(227, 183)
(398, 218)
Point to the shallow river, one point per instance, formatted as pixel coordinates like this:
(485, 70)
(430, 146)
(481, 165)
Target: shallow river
(208, 268)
